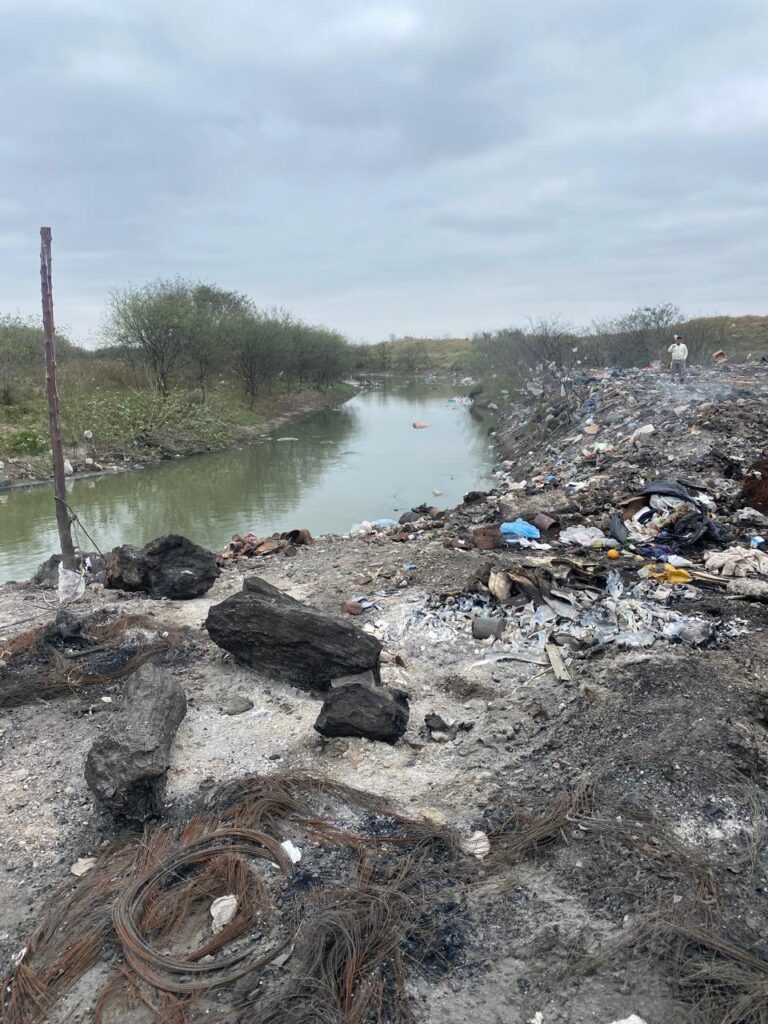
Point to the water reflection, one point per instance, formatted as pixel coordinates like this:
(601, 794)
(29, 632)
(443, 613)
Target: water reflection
(363, 460)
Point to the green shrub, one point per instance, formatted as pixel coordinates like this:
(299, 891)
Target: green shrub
(26, 442)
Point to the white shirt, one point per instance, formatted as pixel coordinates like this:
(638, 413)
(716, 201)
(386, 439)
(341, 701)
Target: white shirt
(678, 350)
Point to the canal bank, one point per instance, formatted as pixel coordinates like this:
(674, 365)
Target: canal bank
(325, 471)
(192, 429)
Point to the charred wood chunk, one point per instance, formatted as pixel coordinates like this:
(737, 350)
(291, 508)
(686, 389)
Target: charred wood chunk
(127, 764)
(170, 567)
(370, 712)
(268, 630)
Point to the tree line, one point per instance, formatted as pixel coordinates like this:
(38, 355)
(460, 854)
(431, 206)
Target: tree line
(181, 329)
(21, 348)
(633, 339)
(181, 333)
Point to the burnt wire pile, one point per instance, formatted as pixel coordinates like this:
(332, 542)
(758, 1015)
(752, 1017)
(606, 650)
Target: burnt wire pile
(331, 938)
(71, 654)
(685, 893)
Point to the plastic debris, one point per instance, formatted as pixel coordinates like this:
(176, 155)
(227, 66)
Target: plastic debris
(293, 851)
(223, 910)
(82, 865)
(586, 536)
(478, 845)
(519, 528)
(71, 585)
(361, 529)
(666, 573)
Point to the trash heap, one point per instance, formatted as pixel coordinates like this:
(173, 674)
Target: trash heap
(606, 430)
(611, 530)
(523, 610)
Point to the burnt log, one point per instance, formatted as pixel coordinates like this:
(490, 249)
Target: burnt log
(127, 764)
(170, 567)
(301, 645)
(368, 712)
(125, 570)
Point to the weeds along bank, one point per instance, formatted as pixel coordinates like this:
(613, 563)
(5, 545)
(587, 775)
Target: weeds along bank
(516, 778)
(109, 428)
(184, 367)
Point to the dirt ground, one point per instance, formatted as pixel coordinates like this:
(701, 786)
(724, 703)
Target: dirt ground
(645, 891)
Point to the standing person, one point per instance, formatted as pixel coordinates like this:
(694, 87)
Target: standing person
(679, 352)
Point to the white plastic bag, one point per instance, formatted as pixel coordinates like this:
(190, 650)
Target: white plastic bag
(71, 585)
(586, 536)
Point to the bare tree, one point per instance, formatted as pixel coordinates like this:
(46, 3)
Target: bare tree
(156, 321)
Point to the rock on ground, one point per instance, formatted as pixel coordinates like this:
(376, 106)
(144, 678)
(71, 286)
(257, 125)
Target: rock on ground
(170, 567)
(266, 629)
(126, 766)
(369, 712)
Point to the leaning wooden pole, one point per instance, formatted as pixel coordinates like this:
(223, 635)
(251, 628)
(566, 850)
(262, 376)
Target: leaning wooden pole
(59, 487)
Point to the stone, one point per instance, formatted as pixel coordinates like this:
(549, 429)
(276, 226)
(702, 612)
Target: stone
(236, 706)
(170, 566)
(301, 645)
(127, 764)
(367, 712)
(177, 568)
(483, 627)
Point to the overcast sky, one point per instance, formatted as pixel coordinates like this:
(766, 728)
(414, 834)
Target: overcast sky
(422, 167)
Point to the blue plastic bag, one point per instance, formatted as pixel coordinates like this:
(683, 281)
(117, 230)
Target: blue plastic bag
(519, 529)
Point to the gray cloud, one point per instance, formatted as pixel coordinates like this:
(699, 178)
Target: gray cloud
(415, 166)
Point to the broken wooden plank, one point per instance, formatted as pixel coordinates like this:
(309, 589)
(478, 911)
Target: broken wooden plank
(558, 665)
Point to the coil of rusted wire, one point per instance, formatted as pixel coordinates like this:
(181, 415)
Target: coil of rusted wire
(174, 974)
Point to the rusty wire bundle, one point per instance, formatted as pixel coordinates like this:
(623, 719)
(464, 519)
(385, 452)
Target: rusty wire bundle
(35, 668)
(345, 939)
(594, 806)
(720, 979)
(338, 950)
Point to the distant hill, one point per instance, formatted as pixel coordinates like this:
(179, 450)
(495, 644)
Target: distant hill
(737, 335)
(405, 355)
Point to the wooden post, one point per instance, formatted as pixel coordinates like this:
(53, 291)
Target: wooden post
(59, 487)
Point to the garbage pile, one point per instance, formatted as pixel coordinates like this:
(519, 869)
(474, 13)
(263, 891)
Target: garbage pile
(654, 477)
(248, 545)
(607, 428)
(581, 609)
